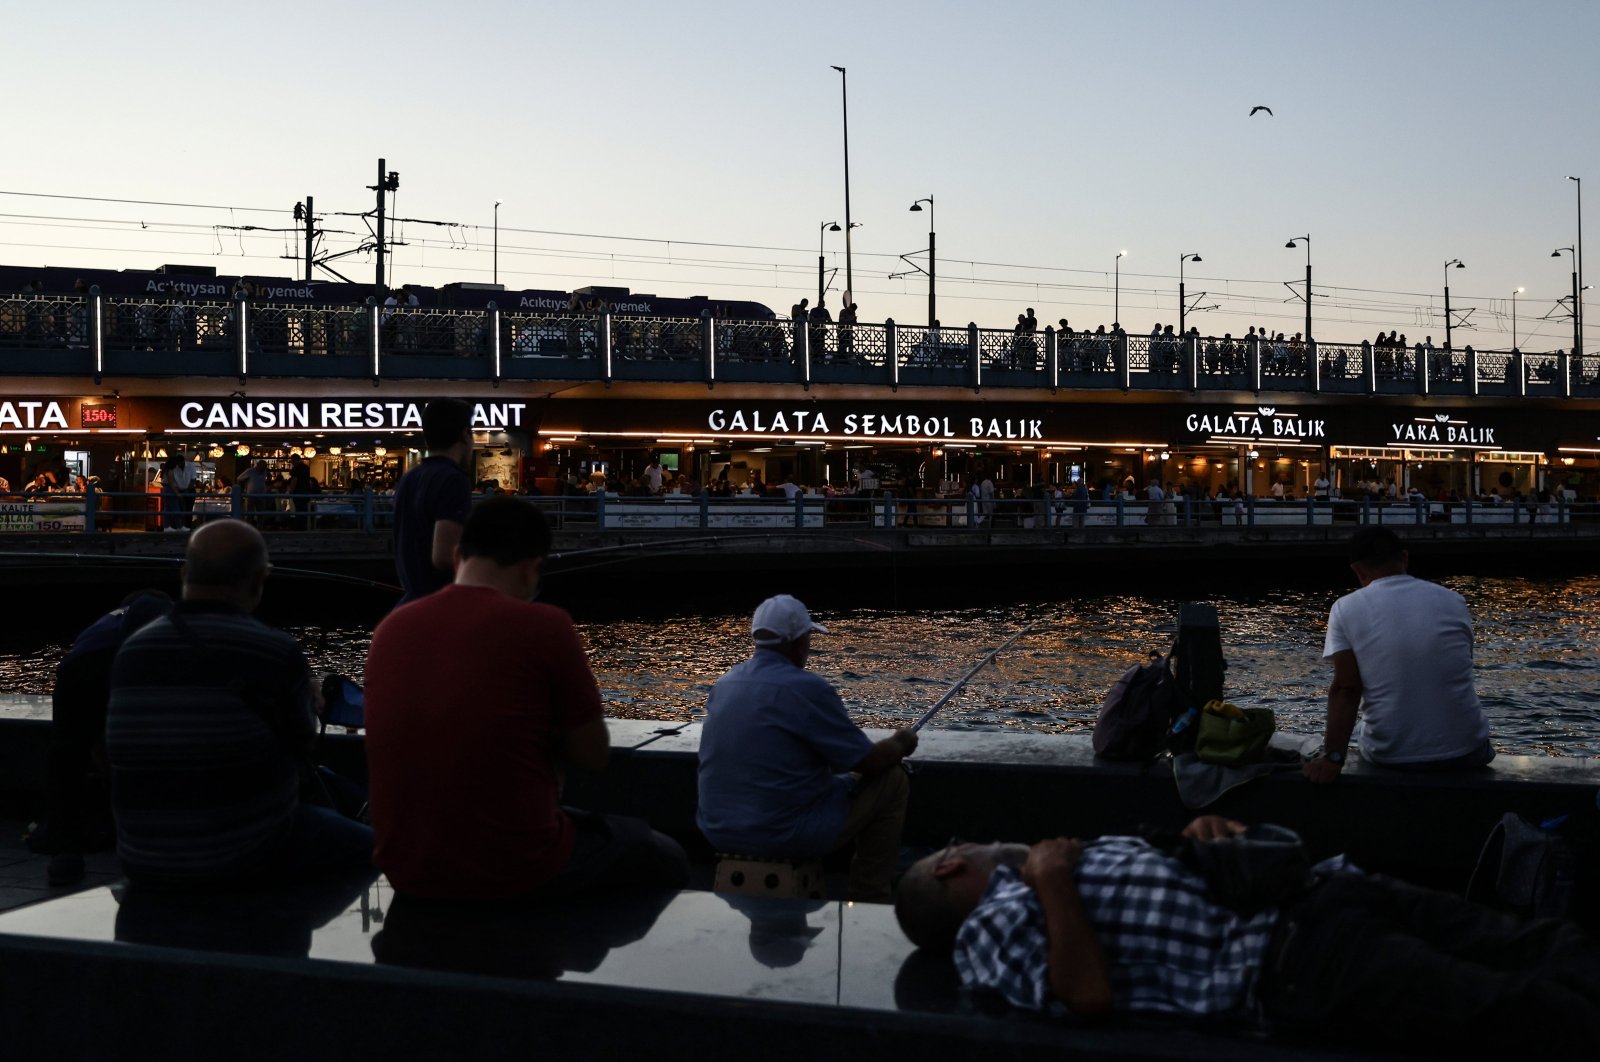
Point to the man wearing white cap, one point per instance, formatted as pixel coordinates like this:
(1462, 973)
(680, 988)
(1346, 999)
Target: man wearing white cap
(783, 770)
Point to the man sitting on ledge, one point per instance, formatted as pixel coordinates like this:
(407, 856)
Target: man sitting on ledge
(1118, 925)
(209, 732)
(783, 770)
(1402, 656)
(475, 699)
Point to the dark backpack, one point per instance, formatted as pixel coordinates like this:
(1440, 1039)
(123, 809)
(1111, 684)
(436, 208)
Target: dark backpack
(1136, 720)
(1137, 715)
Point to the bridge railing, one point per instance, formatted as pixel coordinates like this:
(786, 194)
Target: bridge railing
(140, 336)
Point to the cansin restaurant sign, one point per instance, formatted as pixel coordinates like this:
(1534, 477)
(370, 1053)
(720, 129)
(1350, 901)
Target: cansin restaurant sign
(333, 415)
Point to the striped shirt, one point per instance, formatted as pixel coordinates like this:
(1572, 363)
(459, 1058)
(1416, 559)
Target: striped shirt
(208, 725)
(1167, 947)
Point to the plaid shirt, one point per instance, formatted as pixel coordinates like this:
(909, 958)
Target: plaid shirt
(1167, 947)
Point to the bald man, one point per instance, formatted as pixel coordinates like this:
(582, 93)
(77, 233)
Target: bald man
(209, 733)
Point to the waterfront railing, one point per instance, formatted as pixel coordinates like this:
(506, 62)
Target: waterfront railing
(369, 510)
(92, 335)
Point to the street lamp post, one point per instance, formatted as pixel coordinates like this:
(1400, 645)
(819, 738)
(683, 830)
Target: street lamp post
(1459, 264)
(1183, 300)
(1514, 293)
(1577, 335)
(849, 272)
(1116, 294)
(932, 270)
(1292, 243)
(497, 241)
(822, 286)
(1577, 302)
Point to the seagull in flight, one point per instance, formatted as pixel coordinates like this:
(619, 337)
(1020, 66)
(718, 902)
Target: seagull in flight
(1258, 107)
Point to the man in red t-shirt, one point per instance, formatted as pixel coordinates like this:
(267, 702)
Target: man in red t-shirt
(475, 697)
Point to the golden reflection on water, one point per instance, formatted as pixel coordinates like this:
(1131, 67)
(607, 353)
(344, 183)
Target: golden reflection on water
(1537, 659)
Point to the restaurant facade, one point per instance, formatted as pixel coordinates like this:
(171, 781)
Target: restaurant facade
(841, 438)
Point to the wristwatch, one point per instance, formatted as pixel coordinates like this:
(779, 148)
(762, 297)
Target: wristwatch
(1336, 758)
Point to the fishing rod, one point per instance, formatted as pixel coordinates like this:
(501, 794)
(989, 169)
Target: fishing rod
(117, 558)
(631, 551)
(950, 693)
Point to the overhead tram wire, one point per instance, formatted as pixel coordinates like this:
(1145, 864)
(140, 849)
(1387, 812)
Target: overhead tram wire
(1404, 313)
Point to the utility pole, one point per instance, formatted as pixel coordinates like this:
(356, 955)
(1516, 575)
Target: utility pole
(1459, 264)
(388, 181)
(311, 234)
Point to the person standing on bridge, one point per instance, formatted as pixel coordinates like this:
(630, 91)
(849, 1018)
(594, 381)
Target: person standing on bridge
(785, 773)
(432, 501)
(1402, 657)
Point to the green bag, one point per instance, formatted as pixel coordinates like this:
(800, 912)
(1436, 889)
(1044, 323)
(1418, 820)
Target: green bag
(1232, 736)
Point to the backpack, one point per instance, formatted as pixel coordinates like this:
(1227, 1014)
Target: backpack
(1137, 715)
(1527, 868)
(1151, 707)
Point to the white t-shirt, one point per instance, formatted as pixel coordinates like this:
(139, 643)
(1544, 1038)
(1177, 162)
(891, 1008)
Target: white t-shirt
(1413, 646)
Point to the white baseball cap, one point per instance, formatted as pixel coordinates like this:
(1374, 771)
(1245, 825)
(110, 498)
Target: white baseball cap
(782, 619)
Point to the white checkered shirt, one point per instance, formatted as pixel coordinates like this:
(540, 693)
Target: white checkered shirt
(1168, 948)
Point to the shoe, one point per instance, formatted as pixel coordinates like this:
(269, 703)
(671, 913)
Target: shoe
(66, 868)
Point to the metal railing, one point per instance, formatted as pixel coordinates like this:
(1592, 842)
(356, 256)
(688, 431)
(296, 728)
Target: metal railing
(368, 510)
(519, 344)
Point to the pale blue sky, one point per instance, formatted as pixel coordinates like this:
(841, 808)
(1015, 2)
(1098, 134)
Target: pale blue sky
(1051, 135)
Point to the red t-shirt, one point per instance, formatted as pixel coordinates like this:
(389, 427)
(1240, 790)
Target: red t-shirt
(468, 694)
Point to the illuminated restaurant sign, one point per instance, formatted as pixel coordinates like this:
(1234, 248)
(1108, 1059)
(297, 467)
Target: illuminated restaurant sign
(1261, 422)
(877, 423)
(1441, 428)
(274, 414)
(25, 414)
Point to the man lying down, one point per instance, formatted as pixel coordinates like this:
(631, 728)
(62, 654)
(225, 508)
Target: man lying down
(1121, 925)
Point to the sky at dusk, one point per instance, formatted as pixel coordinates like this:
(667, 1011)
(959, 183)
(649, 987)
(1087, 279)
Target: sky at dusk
(695, 149)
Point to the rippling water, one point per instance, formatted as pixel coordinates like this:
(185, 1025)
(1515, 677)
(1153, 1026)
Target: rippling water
(1538, 659)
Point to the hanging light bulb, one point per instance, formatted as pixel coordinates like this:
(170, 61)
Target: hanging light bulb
(310, 451)
(161, 452)
(241, 451)
(294, 451)
(379, 451)
(335, 451)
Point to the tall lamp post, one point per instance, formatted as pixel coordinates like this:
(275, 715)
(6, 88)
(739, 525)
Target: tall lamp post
(1577, 302)
(1292, 243)
(849, 272)
(1577, 335)
(932, 305)
(1514, 293)
(1116, 294)
(822, 287)
(497, 241)
(1183, 300)
(1459, 264)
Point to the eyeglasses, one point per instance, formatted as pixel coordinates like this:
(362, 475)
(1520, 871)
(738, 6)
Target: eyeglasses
(950, 846)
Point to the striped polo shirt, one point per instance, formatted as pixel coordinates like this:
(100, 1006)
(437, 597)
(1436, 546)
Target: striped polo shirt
(209, 722)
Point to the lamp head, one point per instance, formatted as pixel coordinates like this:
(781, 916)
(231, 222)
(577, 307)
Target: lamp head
(1122, 254)
(497, 202)
(1519, 291)
(838, 68)
(916, 208)
(1291, 243)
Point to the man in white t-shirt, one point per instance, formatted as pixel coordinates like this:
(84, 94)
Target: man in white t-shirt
(1402, 656)
(1320, 487)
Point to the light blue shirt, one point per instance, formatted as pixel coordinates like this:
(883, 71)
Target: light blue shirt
(774, 760)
